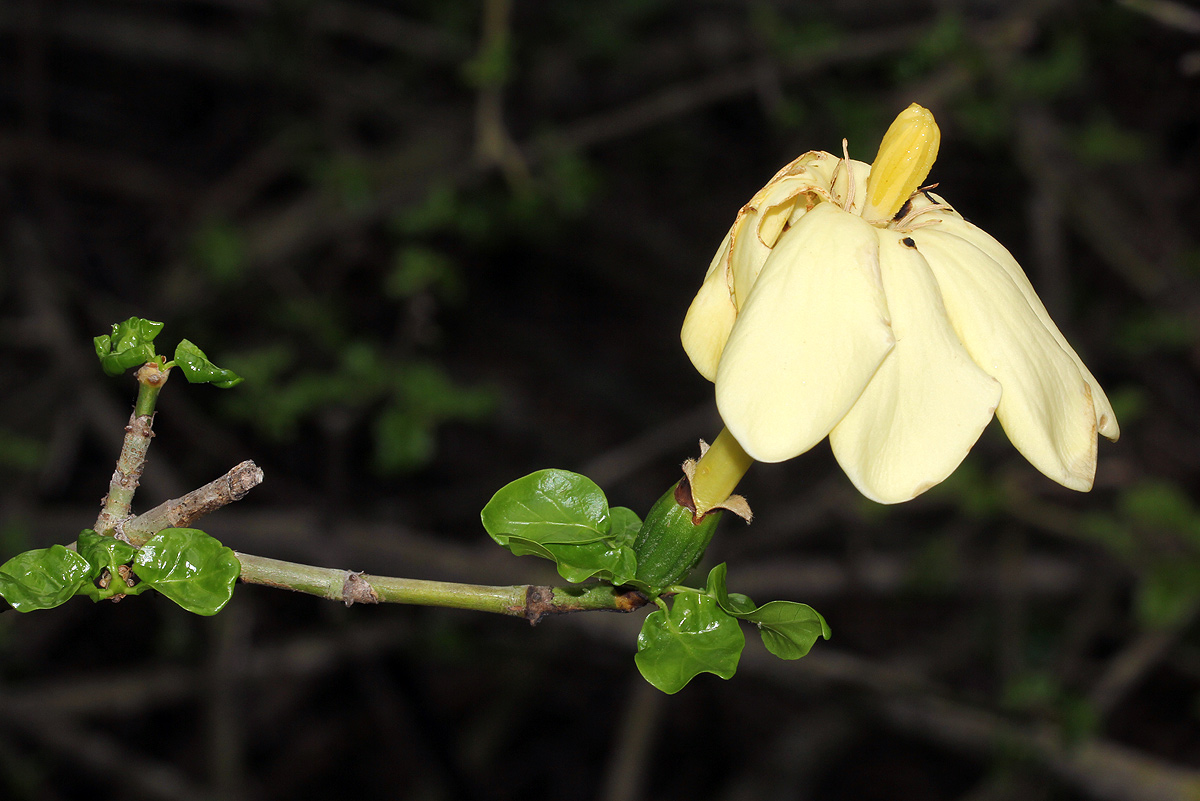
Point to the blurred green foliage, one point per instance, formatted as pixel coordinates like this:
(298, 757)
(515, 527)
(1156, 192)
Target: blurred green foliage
(218, 248)
(1155, 529)
(20, 452)
(1100, 141)
(406, 400)
(424, 269)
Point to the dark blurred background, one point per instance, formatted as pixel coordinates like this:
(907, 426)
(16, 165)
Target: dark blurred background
(449, 243)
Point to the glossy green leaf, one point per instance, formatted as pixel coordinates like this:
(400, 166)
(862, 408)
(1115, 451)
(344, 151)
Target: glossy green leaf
(131, 344)
(695, 637)
(106, 553)
(564, 517)
(43, 578)
(625, 525)
(548, 507)
(197, 369)
(579, 562)
(191, 568)
(733, 603)
(788, 629)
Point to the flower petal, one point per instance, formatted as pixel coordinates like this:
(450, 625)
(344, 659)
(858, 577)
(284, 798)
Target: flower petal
(788, 196)
(928, 402)
(808, 339)
(710, 317)
(1046, 408)
(953, 223)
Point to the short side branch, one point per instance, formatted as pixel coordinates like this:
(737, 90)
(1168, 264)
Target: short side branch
(183, 511)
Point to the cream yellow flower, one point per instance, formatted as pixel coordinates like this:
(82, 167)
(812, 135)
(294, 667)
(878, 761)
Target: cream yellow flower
(844, 302)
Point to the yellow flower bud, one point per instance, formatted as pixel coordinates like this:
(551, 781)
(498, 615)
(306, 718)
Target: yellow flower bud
(905, 157)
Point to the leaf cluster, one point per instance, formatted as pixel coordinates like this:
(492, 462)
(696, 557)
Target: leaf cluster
(565, 517)
(131, 344)
(186, 565)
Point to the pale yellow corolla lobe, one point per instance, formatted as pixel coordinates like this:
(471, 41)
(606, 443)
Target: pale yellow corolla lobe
(845, 302)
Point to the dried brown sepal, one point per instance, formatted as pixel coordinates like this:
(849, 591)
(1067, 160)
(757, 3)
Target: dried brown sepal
(683, 494)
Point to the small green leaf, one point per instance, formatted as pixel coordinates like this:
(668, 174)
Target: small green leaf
(737, 604)
(788, 629)
(696, 636)
(548, 507)
(578, 563)
(734, 603)
(131, 344)
(197, 369)
(625, 525)
(191, 568)
(105, 553)
(43, 578)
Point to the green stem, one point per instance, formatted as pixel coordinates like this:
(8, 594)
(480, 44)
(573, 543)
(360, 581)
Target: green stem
(130, 463)
(527, 601)
(147, 399)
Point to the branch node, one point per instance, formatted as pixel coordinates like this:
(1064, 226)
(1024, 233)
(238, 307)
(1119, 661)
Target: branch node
(356, 589)
(539, 602)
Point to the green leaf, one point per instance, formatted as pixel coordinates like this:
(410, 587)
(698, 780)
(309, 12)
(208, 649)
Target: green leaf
(191, 568)
(43, 578)
(548, 507)
(695, 637)
(131, 344)
(788, 629)
(197, 369)
(105, 553)
(578, 563)
(625, 525)
(564, 517)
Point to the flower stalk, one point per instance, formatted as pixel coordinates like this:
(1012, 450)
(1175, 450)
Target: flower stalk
(718, 472)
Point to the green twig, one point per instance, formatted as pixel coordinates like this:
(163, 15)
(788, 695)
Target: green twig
(138, 432)
(528, 601)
